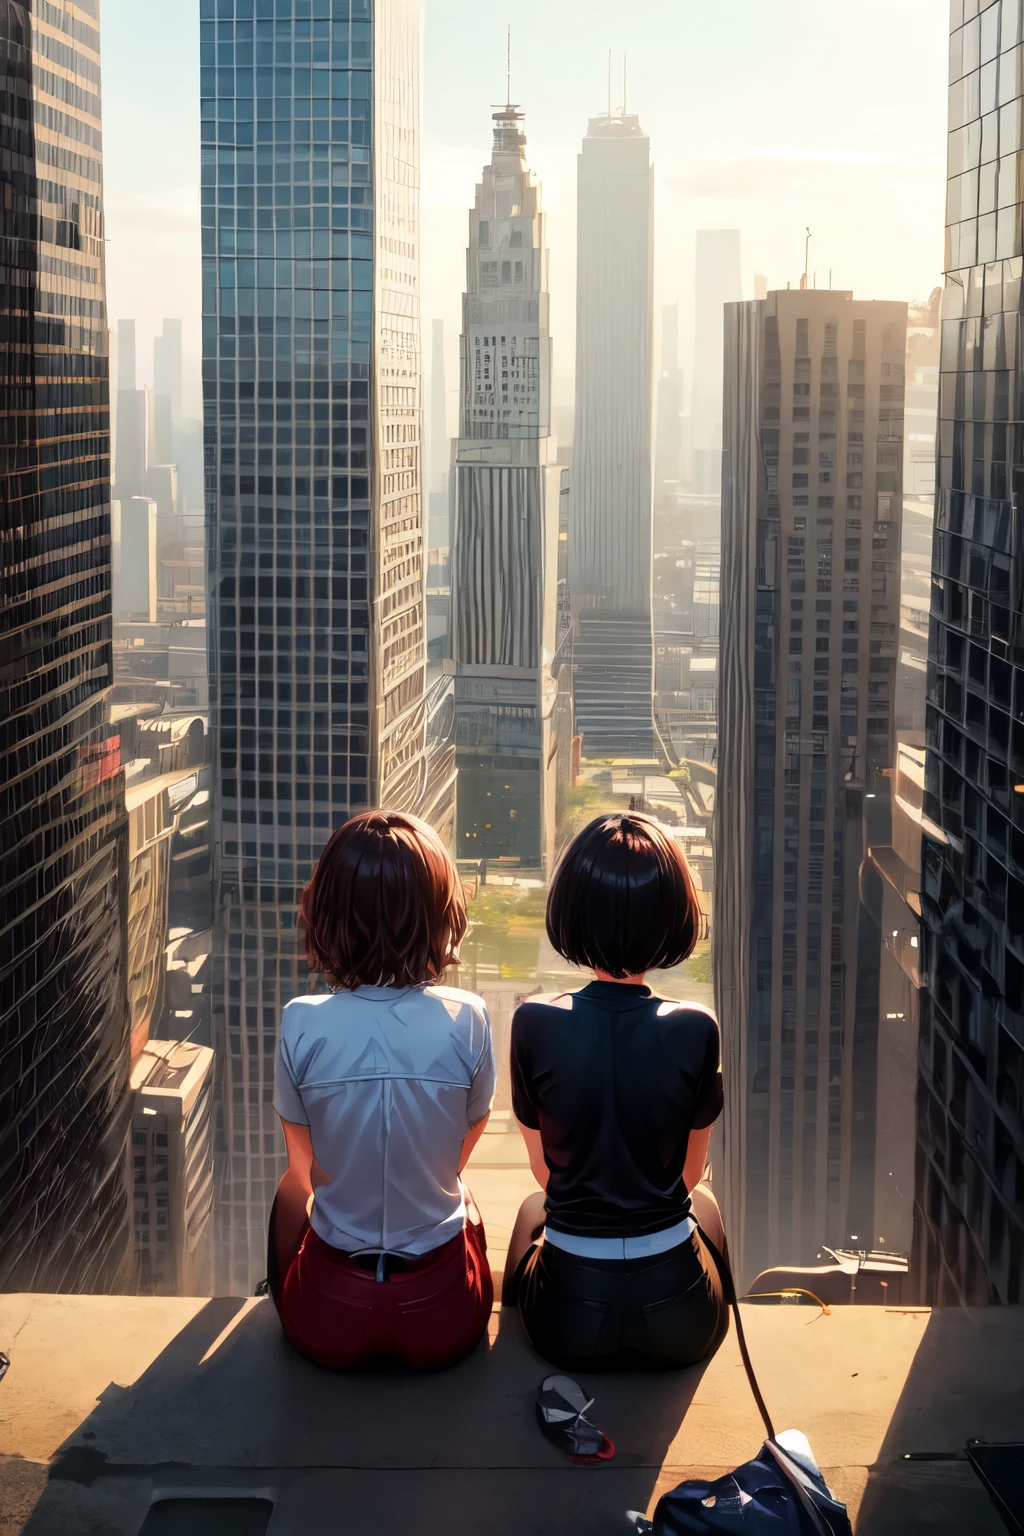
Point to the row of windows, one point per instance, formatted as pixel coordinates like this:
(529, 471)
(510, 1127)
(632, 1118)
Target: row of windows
(282, 44)
(233, 16)
(339, 84)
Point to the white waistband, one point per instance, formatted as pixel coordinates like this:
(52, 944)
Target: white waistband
(622, 1247)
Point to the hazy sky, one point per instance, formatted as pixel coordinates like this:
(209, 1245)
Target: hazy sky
(762, 117)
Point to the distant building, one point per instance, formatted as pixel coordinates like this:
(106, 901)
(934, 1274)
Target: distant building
(811, 518)
(717, 282)
(172, 1168)
(137, 586)
(162, 754)
(504, 558)
(167, 371)
(668, 439)
(610, 511)
(316, 567)
(65, 1105)
(440, 444)
(969, 1239)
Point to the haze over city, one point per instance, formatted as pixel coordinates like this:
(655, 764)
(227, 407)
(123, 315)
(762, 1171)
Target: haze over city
(511, 767)
(764, 119)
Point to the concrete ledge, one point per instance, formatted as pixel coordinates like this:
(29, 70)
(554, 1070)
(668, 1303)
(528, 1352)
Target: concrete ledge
(113, 1402)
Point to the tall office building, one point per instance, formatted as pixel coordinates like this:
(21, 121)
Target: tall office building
(132, 420)
(440, 447)
(167, 370)
(668, 443)
(504, 574)
(717, 282)
(610, 495)
(65, 1107)
(311, 377)
(969, 1241)
(811, 508)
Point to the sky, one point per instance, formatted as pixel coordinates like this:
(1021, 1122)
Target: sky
(766, 118)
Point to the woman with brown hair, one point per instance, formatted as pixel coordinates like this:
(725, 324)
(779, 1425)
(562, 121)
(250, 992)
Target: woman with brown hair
(615, 1090)
(383, 1087)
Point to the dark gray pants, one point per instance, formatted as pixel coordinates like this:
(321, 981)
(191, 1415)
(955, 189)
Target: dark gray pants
(658, 1313)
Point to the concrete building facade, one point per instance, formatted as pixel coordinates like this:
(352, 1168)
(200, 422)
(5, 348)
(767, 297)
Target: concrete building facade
(811, 517)
(504, 554)
(172, 1168)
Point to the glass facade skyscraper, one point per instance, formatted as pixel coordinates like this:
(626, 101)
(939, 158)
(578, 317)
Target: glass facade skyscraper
(65, 1108)
(311, 364)
(969, 1240)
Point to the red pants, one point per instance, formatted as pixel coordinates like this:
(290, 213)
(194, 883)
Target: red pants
(427, 1312)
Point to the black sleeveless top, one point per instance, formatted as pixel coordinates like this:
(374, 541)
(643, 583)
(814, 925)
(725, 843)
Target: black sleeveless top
(615, 1084)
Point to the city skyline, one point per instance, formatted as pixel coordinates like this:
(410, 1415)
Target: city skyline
(757, 168)
(867, 847)
(511, 762)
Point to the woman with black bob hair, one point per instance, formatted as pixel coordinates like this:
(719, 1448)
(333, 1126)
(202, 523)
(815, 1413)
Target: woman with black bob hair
(616, 1090)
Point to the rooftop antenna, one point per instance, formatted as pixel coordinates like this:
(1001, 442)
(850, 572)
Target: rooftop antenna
(623, 85)
(508, 66)
(609, 82)
(807, 256)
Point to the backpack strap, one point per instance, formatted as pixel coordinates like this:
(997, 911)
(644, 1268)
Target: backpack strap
(729, 1290)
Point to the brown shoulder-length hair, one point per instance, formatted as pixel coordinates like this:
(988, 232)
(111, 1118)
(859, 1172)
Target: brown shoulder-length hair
(385, 905)
(623, 898)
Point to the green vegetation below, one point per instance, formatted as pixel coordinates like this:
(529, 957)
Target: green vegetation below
(501, 909)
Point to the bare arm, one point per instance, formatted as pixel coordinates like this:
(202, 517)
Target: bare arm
(300, 1155)
(304, 1172)
(696, 1157)
(472, 1137)
(535, 1151)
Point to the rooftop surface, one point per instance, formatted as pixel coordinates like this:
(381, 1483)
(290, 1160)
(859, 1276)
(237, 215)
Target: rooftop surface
(113, 1405)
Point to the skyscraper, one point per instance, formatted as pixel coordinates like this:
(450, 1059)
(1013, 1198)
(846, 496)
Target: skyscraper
(65, 1106)
(811, 510)
(610, 497)
(668, 448)
(167, 380)
(312, 397)
(504, 574)
(969, 1240)
(717, 283)
(439, 515)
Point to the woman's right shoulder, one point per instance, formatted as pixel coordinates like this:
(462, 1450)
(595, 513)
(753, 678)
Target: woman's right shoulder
(458, 998)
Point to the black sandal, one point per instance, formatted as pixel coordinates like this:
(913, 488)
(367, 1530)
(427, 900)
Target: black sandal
(561, 1413)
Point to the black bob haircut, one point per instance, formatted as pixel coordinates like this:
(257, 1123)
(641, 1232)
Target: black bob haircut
(623, 899)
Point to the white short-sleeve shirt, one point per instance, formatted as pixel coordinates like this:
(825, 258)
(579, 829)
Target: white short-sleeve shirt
(389, 1080)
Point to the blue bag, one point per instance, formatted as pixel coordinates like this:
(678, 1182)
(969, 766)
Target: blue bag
(780, 1493)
